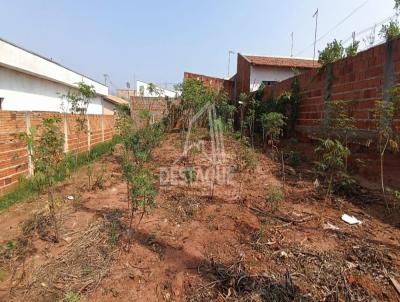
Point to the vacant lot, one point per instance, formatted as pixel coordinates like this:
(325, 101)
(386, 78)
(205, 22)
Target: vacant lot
(232, 246)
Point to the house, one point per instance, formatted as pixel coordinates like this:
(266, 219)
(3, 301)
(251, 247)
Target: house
(252, 71)
(145, 90)
(31, 82)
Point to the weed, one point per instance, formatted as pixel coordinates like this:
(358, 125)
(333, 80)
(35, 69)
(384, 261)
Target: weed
(71, 297)
(274, 196)
(294, 158)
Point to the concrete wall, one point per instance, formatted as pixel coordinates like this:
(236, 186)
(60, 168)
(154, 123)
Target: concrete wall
(24, 92)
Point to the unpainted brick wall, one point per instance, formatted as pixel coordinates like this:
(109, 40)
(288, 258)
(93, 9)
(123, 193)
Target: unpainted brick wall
(158, 108)
(14, 159)
(360, 78)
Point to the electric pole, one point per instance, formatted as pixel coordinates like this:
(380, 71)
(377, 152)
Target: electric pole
(316, 30)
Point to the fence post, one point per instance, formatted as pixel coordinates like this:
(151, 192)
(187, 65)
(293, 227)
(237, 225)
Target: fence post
(30, 151)
(65, 123)
(102, 127)
(89, 134)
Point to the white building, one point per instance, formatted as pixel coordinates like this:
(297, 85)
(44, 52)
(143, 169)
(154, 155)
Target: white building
(144, 90)
(30, 82)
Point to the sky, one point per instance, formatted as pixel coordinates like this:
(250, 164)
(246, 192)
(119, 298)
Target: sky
(156, 41)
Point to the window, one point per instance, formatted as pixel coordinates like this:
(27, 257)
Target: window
(269, 83)
(1, 103)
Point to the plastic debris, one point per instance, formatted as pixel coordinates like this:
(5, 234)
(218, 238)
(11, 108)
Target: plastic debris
(316, 183)
(330, 226)
(350, 219)
(70, 197)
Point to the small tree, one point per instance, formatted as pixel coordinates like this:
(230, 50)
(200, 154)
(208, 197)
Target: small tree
(385, 114)
(246, 161)
(331, 156)
(273, 124)
(143, 192)
(77, 103)
(48, 160)
(341, 122)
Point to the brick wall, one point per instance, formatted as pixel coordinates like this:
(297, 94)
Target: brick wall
(362, 78)
(14, 160)
(212, 82)
(158, 108)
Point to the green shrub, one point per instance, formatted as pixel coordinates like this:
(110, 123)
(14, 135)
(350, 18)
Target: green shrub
(274, 196)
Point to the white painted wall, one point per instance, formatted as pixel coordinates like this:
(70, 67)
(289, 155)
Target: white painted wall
(142, 90)
(258, 74)
(23, 92)
(19, 59)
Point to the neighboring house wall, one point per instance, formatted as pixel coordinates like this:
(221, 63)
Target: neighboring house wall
(142, 90)
(108, 108)
(258, 74)
(242, 76)
(23, 92)
(126, 94)
(16, 58)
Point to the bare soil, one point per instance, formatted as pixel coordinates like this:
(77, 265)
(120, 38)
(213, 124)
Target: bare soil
(197, 247)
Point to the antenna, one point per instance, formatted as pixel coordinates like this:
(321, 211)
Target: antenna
(315, 36)
(291, 49)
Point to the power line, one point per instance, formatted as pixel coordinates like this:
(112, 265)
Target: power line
(336, 26)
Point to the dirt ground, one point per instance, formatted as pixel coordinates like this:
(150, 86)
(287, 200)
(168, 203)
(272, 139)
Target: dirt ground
(196, 247)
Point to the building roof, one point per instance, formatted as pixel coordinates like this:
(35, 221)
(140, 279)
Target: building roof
(281, 61)
(20, 59)
(115, 100)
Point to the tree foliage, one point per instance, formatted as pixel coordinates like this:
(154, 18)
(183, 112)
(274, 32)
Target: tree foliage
(333, 52)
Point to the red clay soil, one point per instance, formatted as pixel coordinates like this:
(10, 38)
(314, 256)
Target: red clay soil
(197, 247)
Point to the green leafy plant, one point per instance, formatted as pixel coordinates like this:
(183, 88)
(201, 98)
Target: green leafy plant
(274, 196)
(390, 31)
(273, 124)
(352, 49)
(246, 162)
(190, 175)
(385, 114)
(294, 158)
(71, 297)
(47, 155)
(333, 52)
(331, 156)
(341, 121)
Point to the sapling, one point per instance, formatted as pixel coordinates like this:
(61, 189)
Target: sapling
(246, 161)
(48, 159)
(341, 122)
(190, 176)
(385, 114)
(331, 155)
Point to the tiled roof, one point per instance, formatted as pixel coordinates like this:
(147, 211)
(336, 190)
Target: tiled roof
(115, 100)
(282, 62)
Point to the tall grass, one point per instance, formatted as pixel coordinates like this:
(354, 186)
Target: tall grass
(29, 187)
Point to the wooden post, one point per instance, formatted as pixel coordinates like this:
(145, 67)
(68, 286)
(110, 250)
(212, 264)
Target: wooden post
(30, 151)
